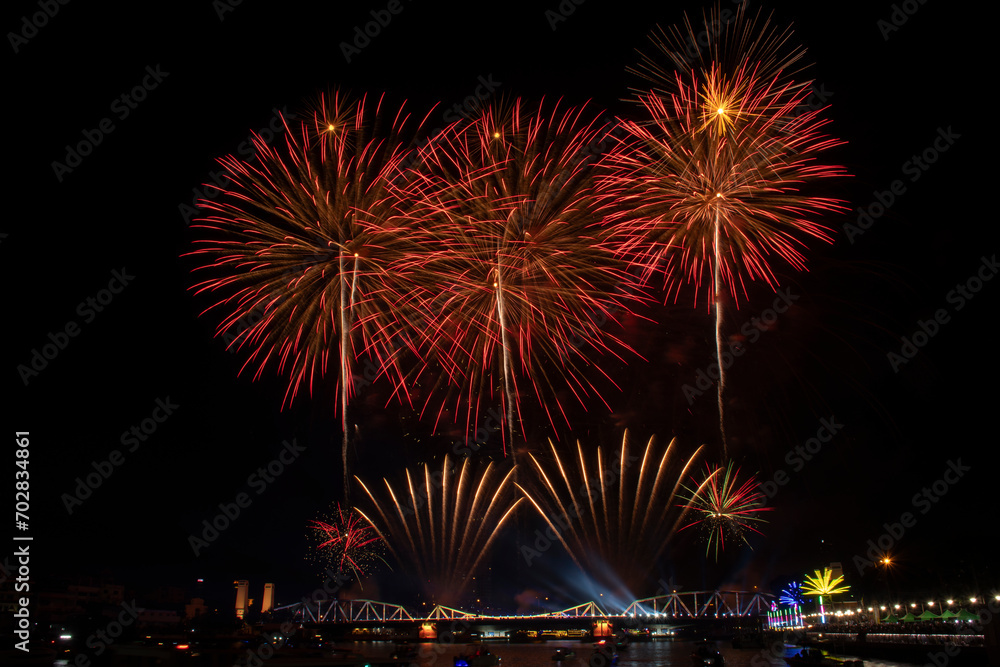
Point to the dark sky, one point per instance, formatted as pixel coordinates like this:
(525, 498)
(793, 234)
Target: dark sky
(213, 76)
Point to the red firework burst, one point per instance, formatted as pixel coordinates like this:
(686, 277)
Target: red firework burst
(303, 244)
(714, 183)
(347, 542)
(523, 276)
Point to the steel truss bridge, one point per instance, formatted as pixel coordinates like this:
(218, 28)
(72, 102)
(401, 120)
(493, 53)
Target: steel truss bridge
(667, 609)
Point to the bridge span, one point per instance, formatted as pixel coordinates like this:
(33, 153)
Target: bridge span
(677, 609)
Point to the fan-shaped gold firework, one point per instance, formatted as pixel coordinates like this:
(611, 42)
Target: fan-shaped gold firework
(624, 529)
(443, 522)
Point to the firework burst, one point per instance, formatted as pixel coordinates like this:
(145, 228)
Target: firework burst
(345, 542)
(624, 529)
(443, 522)
(524, 276)
(724, 507)
(711, 195)
(792, 595)
(715, 180)
(303, 244)
(793, 598)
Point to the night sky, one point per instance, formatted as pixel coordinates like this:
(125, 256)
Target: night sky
(116, 220)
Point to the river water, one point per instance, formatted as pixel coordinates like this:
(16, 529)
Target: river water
(660, 653)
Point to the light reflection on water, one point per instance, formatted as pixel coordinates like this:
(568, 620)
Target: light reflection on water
(660, 653)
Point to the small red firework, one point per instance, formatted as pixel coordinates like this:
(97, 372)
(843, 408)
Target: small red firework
(347, 542)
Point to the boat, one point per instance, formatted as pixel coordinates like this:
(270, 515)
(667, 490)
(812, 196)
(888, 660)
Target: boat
(481, 657)
(707, 656)
(563, 654)
(607, 649)
(814, 656)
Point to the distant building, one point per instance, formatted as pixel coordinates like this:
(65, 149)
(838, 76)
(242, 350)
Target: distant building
(195, 608)
(268, 603)
(158, 618)
(242, 599)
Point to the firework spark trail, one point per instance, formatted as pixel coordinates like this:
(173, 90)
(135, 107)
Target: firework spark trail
(311, 235)
(505, 344)
(448, 526)
(724, 506)
(523, 264)
(718, 335)
(627, 539)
